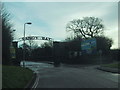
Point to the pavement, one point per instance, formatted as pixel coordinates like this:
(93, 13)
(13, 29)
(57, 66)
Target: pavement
(82, 76)
(108, 69)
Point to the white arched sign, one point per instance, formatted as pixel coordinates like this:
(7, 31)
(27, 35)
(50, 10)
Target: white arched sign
(36, 38)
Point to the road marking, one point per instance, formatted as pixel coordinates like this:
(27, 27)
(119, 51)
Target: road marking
(36, 83)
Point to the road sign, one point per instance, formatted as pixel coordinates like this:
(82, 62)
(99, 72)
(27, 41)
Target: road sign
(12, 52)
(88, 45)
(100, 51)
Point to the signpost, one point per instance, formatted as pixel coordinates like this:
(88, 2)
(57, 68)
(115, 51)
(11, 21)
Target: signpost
(12, 51)
(88, 46)
(100, 52)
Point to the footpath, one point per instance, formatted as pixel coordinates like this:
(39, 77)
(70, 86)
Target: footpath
(109, 69)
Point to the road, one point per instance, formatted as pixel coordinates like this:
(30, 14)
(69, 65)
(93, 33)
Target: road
(49, 76)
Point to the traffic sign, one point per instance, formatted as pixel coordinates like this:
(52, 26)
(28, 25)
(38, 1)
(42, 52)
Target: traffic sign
(88, 45)
(12, 52)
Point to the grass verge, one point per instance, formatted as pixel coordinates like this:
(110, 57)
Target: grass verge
(15, 76)
(113, 65)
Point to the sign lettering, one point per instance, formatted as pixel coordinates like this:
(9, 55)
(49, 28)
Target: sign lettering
(37, 38)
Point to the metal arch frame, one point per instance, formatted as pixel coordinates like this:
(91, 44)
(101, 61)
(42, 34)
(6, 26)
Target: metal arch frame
(35, 38)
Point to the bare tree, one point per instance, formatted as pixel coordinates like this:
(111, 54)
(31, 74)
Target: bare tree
(32, 44)
(47, 44)
(86, 27)
(29, 45)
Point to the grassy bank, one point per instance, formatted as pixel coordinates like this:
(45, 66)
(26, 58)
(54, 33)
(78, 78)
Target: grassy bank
(15, 77)
(113, 65)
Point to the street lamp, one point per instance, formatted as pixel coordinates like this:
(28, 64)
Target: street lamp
(12, 31)
(24, 44)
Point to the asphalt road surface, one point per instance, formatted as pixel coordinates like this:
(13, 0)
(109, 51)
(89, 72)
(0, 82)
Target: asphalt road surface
(49, 76)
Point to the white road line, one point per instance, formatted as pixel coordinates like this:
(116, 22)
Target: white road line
(36, 83)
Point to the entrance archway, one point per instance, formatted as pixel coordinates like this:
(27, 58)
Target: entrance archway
(39, 38)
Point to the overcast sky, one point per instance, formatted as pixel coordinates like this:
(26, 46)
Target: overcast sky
(50, 18)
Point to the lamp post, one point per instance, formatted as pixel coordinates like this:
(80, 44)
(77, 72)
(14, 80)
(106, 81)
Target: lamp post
(24, 44)
(12, 32)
